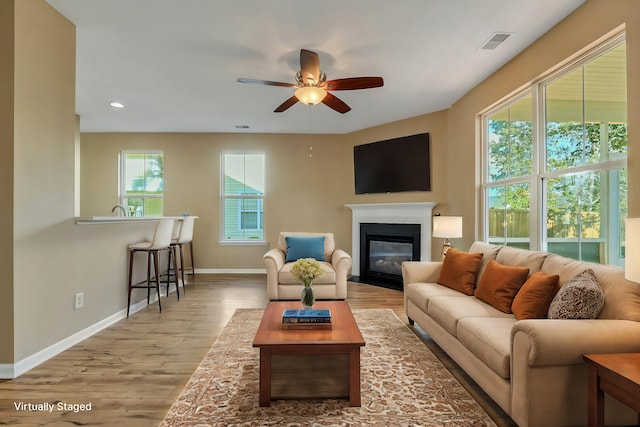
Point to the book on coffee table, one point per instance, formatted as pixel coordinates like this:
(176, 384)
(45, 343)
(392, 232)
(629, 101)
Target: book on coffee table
(298, 326)
(293, 316)
(306, 319)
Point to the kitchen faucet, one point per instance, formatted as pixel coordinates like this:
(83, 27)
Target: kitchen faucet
(124, 213)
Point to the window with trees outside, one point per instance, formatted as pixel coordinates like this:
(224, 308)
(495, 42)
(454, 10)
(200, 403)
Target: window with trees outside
(142, 182)
(555, 175)
(242, 197)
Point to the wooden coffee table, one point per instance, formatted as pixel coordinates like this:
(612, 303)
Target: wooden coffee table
(310, 363)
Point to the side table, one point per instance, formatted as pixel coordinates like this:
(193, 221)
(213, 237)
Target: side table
(617, 374)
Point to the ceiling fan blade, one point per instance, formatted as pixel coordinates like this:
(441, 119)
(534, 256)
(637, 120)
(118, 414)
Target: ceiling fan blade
(265, 82)
(353, 83)
(336, 103)
(286, 104)
(309, 66)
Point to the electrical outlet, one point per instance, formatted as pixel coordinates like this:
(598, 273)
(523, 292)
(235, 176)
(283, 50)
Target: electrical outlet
(79, 300)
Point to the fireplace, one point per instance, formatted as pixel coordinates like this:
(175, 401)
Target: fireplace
(415, 213)
(384, 247)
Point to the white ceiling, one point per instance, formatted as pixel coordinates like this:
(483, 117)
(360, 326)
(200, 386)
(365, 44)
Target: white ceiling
(174, 63)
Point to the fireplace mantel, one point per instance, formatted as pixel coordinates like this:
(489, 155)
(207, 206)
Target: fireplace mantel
(391, 213)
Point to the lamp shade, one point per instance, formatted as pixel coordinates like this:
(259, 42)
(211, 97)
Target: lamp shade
(447, 227)
(632, 250)
(310, 95)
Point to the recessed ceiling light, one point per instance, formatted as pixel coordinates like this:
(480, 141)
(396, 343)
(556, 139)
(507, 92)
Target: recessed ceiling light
(116, 105)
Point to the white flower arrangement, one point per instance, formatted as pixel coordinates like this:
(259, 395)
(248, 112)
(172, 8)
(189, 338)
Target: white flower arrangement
(305, 270)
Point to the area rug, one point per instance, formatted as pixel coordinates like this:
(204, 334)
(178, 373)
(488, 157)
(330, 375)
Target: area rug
(402, 383)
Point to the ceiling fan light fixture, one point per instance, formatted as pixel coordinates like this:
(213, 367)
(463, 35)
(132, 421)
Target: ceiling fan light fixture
(310, 95)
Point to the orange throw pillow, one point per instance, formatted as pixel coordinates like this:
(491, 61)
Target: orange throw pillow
(535, 296)
(499, 285)
(459, 270)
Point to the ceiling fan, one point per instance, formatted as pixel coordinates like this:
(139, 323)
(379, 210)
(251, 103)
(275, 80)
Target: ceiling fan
(312, 86)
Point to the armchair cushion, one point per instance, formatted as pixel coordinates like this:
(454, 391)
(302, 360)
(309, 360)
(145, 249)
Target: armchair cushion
(304, 247)
(285, 276)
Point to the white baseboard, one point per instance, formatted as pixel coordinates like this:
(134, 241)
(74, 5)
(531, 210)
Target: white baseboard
(10, 371)
(14, 370)
(30, 362)
(231, 271)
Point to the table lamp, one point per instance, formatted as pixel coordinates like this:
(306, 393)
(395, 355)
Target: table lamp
(632, 250)
(447, 227)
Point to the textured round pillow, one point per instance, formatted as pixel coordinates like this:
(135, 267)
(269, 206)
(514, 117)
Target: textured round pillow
(580, 298)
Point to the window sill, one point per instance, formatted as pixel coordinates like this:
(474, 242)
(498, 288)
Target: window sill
(243, 242)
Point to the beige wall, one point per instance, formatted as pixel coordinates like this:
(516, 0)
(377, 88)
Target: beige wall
(43, 172)
(6, 180)
(589, 23)
(303, 193)
(53, 258)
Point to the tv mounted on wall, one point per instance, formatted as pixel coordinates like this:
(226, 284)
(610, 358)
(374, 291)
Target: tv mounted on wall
(393, 165)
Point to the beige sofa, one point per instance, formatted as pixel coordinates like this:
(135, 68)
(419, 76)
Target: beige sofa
(531, 368)
(331, 285)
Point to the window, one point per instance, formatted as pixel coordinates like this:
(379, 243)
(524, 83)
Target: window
(555, 161)
(242, 197)
(510, 167)
(142, 182)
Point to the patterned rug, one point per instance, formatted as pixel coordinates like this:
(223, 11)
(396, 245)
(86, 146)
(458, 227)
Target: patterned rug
(403, 384)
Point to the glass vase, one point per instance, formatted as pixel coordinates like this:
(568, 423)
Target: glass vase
(307, 298)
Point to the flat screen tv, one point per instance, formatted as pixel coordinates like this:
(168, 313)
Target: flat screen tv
(393, 165)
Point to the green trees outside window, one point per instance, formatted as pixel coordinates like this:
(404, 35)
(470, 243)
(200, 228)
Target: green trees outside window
(142, 183)
(555, 176)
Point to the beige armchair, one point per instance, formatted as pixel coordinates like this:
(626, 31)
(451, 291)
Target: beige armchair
(282, 286)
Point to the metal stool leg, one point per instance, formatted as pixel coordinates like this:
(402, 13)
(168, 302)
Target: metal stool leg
(172, 256)
(184, 284)
(193, 265)
(130, 281)
(157, 271)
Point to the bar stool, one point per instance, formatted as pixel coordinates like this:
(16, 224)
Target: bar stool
(185, 236)
(161, 242)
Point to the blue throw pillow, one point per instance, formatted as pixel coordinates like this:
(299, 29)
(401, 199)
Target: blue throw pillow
(304, 247)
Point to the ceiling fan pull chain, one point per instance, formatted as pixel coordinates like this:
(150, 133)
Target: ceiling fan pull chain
(310, 132)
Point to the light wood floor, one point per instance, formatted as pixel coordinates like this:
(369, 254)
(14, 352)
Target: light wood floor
(131, 372)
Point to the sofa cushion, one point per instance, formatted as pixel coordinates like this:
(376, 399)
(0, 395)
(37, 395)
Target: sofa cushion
(489, 253)
(304, 247)
(532, 260)
(535, 296)
(421, 293)
(621, 297)
(285, 276)
(580, 298)
(447, 311)
(459, 270)
(489, 339)
(499, 285)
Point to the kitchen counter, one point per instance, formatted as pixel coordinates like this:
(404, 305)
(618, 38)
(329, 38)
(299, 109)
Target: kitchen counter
(88, 220)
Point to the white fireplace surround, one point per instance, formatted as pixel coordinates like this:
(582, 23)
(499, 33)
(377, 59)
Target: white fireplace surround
(391, 213)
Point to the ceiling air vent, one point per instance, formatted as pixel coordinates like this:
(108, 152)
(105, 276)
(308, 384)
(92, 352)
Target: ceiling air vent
(495, 40)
